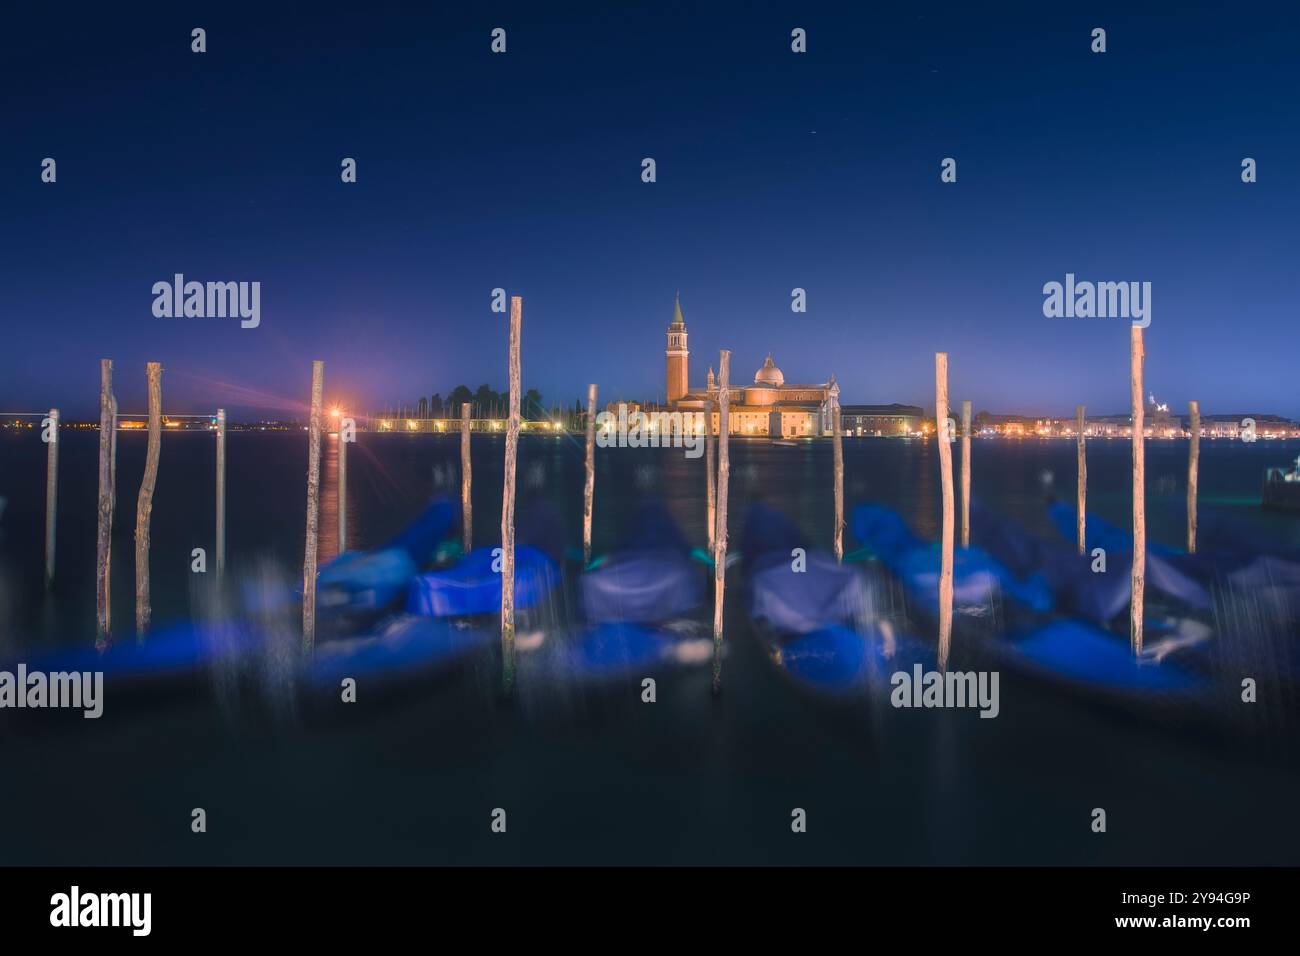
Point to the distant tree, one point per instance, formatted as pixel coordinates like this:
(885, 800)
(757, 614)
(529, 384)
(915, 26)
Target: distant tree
(423, 408)
(458, 397)
(531, 407)
(435, 405)
(485, 400)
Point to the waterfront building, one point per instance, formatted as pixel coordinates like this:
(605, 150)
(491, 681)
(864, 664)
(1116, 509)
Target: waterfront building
(770, 406)
(1231, 426)
(889, 421)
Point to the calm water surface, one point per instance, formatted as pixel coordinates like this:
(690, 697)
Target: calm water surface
(605, 778)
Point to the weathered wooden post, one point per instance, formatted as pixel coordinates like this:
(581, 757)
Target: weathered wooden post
(943, 427)
(837, 456)
(221, 492)
(107, 494)
(466, 480)
(51, 493)
(710, 480)
(1193, 464)
(342, 494)
(508, 507)
(1136, 356)
(720, 531)
(589, 489)
(1081, 511)
(965, 474)
(144, 504)
(313, 509)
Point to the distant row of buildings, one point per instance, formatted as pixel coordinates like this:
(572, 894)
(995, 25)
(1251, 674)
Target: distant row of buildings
(774, 408)
(769, 406)
(1159, 423)
(904, 420)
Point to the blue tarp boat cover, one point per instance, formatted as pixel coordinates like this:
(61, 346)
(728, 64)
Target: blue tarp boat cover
(1087, 655)
(823, 593)
(610, 649)
(826, 632)
(883, 531)
(407, 644)
(839, 658)
(169, 651)
(978, 578)
(1098, 532)
(419, 540)
(473, 587)
(1267, 571)
(365, 580)
(651, 580)
(360, 581)
(1027, 555)
(796, 602)
(1100, 596)
(1022, 552)
(641, 586)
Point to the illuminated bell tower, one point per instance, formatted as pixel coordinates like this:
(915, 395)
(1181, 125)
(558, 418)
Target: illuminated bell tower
(677, 354)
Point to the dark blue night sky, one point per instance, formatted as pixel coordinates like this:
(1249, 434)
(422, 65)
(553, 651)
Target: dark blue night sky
(775, 170)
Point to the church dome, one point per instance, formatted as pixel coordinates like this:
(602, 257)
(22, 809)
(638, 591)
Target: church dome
(769, 374)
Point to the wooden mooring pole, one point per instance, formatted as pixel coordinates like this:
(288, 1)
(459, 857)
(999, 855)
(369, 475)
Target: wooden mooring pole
(466, 480)
(107, 494)
(51, 493)
(711, 476)
(508, 507)
(720, 529)
(313, 510)
(144, 504)
(589, 489)
(1136, 356)
(942, 428)
(1193, 465)
(837, 456)
(342, 492)
(1081, 506)
(221, 492)
(965, 474)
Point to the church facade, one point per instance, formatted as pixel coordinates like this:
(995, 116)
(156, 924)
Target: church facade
(770, 406)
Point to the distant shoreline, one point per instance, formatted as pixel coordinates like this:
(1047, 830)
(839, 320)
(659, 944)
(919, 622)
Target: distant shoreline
(541, 430)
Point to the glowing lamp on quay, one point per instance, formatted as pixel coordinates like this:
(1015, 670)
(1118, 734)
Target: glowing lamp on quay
(335, 412)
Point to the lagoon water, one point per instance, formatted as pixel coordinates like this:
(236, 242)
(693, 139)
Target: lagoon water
(605, 778)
